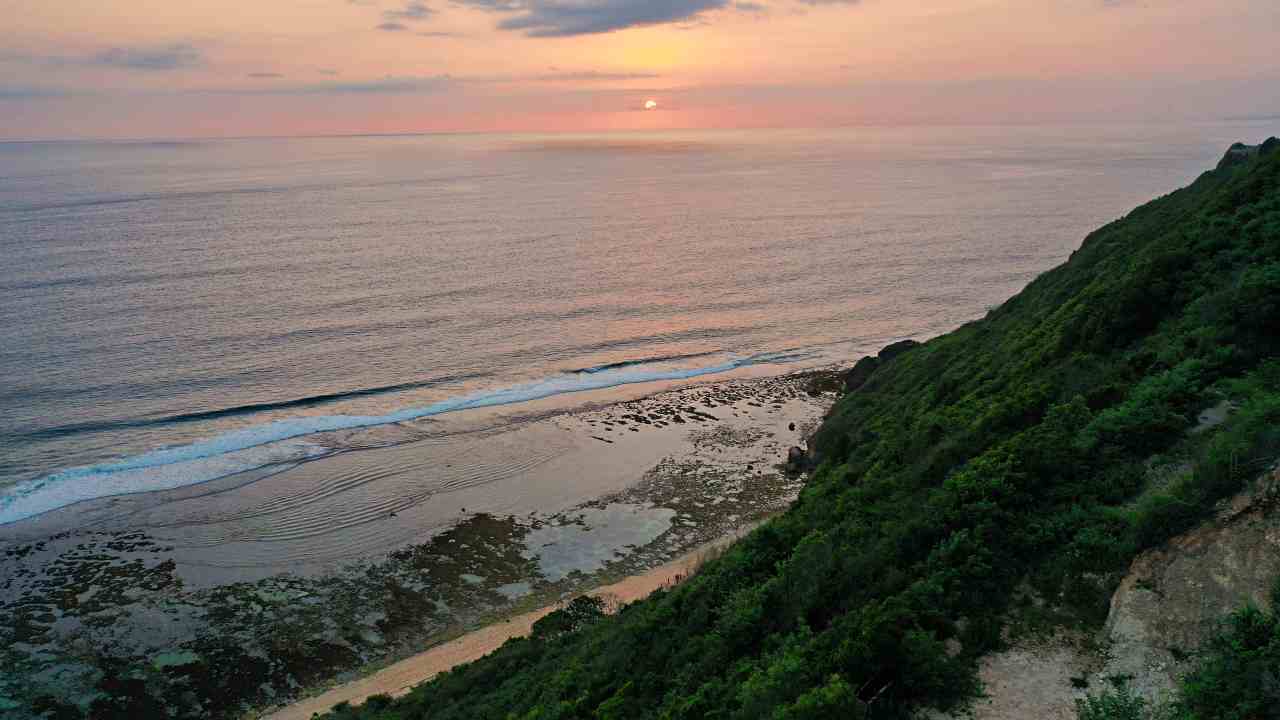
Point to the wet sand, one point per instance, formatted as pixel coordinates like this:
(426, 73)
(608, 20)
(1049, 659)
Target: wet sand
(408, 537)
(399, 678)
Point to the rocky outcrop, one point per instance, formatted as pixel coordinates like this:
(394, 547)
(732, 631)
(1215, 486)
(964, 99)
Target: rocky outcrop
(861, 372)
(797, 461)
(895, 349)
(1174, 596)
(1239, 153)
(1167, 606)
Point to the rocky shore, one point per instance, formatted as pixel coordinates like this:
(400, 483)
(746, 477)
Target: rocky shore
(114, 620)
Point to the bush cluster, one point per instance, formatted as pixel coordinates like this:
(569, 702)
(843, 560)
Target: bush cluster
(995, 472)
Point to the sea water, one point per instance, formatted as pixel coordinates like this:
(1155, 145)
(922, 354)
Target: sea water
(176, 312)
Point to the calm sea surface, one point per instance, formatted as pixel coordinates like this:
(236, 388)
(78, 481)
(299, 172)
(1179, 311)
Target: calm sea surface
(174, 312)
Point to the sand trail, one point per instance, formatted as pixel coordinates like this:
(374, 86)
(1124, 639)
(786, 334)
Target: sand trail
(399, 678)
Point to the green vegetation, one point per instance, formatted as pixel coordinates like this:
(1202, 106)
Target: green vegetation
(1117, 703)
(998, 473)
(1238, 675)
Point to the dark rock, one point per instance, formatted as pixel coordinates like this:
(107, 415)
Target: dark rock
(797, 460)
(860, 373)
(1238, 154)
(791, 427)
(862, 370)
(893, 350)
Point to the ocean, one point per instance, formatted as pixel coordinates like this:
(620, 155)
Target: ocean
(177, 312)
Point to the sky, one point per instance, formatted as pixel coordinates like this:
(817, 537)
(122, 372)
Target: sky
(210, 68)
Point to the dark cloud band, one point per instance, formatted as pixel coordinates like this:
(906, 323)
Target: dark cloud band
(561, 18)
(168, 57)
(395, 20)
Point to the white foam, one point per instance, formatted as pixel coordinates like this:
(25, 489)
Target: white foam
(99, 481)
(272, 443)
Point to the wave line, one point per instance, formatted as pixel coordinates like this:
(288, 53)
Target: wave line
(277, 442)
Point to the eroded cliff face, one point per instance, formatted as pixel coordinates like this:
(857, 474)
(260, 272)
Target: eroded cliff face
(1173, 597)
(1166, 607)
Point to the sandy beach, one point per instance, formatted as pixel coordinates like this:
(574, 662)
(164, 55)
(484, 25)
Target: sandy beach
(399, 678)
(412, 536)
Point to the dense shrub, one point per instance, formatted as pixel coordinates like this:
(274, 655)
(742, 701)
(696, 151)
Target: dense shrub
(1118, 703)
(1238, 676)
(1008, 454)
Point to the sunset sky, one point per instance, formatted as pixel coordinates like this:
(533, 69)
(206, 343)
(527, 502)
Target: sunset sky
(168, 68)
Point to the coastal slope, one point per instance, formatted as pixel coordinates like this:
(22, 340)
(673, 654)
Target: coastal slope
(991, 483)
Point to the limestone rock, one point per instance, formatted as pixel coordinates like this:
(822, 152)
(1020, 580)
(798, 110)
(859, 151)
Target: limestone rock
(1174, 596)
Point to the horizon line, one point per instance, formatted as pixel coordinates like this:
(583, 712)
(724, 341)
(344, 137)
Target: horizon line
(636, 131)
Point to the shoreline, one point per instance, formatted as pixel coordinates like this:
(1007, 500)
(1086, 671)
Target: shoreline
(94, 511)
(401, 677)
(366, 560)
(306, 438)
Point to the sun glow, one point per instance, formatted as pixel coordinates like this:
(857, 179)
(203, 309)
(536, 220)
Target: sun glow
(650, 104)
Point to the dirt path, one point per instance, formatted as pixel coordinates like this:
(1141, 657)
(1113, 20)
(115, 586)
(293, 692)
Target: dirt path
(398, 679)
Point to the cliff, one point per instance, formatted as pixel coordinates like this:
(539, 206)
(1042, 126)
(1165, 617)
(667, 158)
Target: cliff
(976, 492)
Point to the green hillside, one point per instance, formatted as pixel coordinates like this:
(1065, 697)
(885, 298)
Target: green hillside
(995, 478)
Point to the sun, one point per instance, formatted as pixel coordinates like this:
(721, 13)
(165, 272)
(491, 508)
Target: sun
(650, 104)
